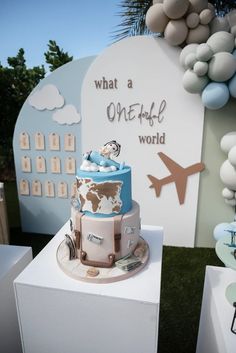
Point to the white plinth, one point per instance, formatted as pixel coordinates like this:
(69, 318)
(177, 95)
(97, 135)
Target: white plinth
(59, 314)
(214, 334)
(13, 259)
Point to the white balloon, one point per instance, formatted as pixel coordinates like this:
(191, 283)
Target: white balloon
(221, 42)
(200, 68)
(190, 60)
(228, 175)
(232, 156)
(222, 67)
(231, 202)
(193, 83)
(191, 48)
(228, 194)
(204, 52)
(228, 141)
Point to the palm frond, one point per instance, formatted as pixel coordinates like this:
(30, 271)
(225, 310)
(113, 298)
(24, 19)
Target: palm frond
(133, 14)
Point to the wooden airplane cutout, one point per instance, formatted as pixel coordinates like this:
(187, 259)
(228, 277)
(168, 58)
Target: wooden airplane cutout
(179, 176)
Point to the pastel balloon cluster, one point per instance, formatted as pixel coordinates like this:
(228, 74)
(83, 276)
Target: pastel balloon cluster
(210, 69)
(181, 21)
(228, 168)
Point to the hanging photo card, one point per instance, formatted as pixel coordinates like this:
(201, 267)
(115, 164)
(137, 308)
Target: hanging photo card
(24, 187)
(24, 141)
(55, 165)
(62, 189)
(36, 188)
(69, 142)
(40, 164)
(74, 189)
(49, 189)
(54, 142)
(39, 141)
(26, 164)
(70, 165)
(139, 101)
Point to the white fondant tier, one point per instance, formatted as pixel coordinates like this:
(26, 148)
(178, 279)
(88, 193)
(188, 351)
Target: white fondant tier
(101, 241)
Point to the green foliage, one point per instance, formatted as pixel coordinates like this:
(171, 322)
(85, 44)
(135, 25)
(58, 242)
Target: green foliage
(55, 56)
(16, 83)
(133, 14)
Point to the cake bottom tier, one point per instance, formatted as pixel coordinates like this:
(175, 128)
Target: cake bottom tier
(102, 241)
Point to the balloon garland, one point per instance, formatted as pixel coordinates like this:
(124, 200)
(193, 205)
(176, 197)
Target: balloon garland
(208, 55)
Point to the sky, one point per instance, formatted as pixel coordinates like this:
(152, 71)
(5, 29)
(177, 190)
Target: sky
(81, 28)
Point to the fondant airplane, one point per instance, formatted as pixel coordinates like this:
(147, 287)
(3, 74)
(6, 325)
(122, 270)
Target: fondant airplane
(179, 176)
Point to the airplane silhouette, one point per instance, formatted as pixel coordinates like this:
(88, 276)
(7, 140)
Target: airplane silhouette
(179, 176)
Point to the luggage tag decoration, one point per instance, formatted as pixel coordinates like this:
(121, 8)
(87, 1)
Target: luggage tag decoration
(95, 238)
(129, 230)
(39, 141)
(54, 142)
(36, 188)
(49, 189)
(69, 142)
(70, 165)
(55, 165)
(26, 164)
(24, 187)
(24, 141)
(62, 190)
(40, 164)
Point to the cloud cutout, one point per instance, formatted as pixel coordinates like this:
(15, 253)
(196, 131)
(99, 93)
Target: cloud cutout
(48, 97)
(67, 115)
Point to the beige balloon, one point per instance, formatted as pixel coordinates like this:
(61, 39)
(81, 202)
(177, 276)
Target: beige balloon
(198, 5)
(192, 20)
(176, 32)
(206, 16)
(175, 9)
(156, 19)
(200, 34)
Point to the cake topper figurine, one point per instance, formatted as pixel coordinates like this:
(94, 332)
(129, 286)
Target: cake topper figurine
(101, 161)
(111, 148)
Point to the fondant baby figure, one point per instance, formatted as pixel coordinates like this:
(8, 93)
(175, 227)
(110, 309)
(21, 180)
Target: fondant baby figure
(111, 148)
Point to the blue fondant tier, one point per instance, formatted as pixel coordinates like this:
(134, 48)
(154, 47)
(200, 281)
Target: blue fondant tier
(105, 194)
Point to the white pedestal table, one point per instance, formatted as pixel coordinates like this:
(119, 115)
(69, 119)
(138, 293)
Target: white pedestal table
(59, 314)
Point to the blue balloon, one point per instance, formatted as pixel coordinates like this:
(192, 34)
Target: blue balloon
(220, 230)
(232, 86)
(215, 95)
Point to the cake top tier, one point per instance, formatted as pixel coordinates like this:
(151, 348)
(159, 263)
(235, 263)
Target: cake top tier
(104, 186)
(101, 162)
